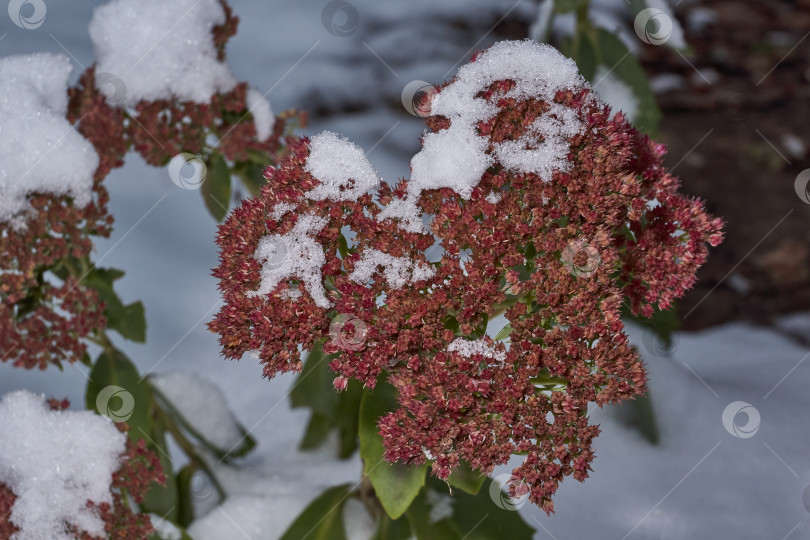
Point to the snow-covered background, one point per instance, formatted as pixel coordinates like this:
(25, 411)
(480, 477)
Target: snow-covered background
(701, 481)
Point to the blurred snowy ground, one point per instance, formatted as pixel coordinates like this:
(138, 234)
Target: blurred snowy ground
(700, 482)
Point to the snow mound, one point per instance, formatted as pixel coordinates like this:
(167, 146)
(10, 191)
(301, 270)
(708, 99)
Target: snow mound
(160, 49)
(202, 404)
(40, 152)
(342, 168)
(55, 462)
(262, 114)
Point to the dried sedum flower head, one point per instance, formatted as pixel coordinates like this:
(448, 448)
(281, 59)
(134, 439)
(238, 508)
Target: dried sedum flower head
(548, 208)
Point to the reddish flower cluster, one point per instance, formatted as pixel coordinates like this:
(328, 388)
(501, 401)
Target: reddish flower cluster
(42, 323)
(558, 258)
(140, 468)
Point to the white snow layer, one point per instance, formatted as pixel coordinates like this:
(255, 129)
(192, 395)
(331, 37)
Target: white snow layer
(615, 93)
(342, 168)
(40, 152)
(160, 49)
(54, 462)
(468, 348)
(397, 270)
(203, 405)
(263, 117)
(457, 157)
(295, 254)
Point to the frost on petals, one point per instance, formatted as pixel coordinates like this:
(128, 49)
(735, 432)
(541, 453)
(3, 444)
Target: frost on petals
(468, 348)
(295, 254)
(397, 270)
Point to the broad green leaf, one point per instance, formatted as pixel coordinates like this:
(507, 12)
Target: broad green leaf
(504, 333)
(621, 64)
(162, 500)
(466, 479)
(115, 389)
(185, 504)
(216, 189)
(201, 399)
(323, 518)
(252, 175)
(474, 517)
(395, 484)
(330, 409)
(392, 529)
(127, 320)
(638, 413)
(565, 6)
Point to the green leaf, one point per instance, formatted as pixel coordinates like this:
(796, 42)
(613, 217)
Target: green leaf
(330, 409)
(474, 517)
(638, 413)
(392, 529)
(185, 504)
(127, 320)
(216, 189)
(323, 518)
(466, 479)
(504, 333)
(162, 500)
(252, 175)
(395, 484)
(617, 59)
(566, 6)
(116, 390)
